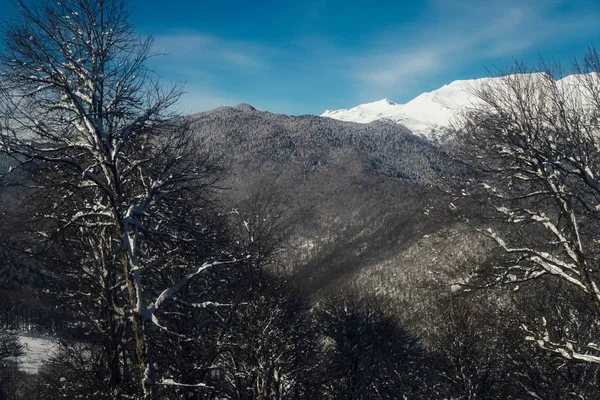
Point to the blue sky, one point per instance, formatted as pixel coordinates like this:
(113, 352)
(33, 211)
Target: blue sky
(307, 56)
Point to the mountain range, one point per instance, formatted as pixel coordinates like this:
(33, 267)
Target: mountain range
(364, 188)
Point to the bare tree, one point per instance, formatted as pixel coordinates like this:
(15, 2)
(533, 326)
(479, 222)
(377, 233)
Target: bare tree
(10, 349)
(367, 354)
(79, 102)
(533, 146)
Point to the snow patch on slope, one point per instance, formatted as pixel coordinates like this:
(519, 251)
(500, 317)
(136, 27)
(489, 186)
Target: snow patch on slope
(36, 349)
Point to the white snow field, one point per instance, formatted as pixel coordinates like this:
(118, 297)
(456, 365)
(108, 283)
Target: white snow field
(36, 349)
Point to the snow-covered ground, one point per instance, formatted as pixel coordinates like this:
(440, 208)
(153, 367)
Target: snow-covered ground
(37, 348)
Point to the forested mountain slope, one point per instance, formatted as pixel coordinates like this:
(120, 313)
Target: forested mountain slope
(357, 195)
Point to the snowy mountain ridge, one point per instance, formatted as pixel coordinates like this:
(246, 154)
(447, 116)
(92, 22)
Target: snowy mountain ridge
(431, 114)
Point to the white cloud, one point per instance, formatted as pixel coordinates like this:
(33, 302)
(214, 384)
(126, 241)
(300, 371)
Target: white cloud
(461, 32)
(391, 69)
(196, 100)
(242, 59)
(199, 49)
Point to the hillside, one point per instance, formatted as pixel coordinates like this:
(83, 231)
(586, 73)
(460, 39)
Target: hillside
(359, 195)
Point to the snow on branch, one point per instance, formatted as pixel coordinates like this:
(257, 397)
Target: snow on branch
(169, 293)
(566, 350)
(171, 382)
(545, 260)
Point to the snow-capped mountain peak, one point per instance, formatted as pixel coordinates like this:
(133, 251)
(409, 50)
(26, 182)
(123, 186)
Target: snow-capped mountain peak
(431, 114)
